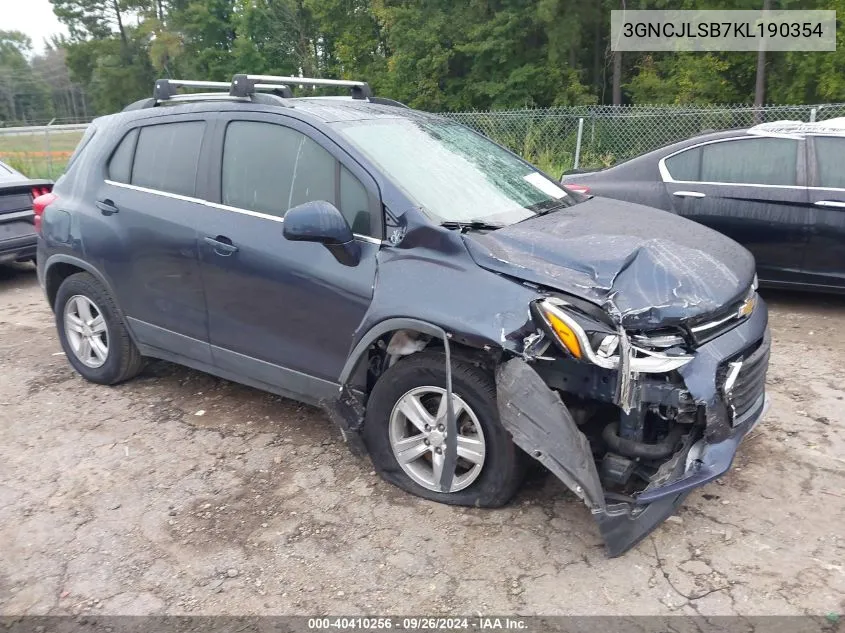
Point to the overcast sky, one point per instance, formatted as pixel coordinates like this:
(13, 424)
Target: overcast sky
(33, 17)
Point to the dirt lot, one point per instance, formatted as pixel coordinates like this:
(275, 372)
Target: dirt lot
(127, 500)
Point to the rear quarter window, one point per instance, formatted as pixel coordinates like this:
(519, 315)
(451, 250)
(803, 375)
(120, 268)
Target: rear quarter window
(686, 165)
(120, 163)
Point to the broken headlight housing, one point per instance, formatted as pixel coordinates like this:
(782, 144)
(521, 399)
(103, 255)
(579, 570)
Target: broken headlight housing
(590, 340)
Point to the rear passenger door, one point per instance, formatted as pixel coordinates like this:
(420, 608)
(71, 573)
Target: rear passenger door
(145, 235)
(753, 190)
(825, 262)
(283, 312)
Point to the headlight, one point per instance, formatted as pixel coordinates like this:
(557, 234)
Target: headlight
(601, 347)
(565, 329)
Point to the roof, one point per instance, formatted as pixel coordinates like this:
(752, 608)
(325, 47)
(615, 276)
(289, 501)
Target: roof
(336, 109)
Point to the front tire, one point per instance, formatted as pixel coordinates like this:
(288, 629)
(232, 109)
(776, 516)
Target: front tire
(92, 332)
(404, 432)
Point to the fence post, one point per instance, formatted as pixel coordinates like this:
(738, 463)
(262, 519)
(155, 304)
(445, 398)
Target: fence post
(49, 153)
(578, 143)
(812, 115)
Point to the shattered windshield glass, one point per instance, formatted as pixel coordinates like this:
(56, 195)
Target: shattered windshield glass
(455, 174)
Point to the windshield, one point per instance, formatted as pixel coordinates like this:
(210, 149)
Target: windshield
(455, 174)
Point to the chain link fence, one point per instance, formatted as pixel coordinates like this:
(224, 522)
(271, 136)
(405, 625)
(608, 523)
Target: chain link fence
(40, 151)
(560, 139)
(554, 139)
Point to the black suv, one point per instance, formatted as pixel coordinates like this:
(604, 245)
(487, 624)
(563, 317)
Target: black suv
(454, 310)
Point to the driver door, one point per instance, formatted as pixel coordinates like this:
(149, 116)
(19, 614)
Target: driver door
(283, 312)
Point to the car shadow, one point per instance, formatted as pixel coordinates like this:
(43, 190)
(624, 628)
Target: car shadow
(805, 302)
(17, 276)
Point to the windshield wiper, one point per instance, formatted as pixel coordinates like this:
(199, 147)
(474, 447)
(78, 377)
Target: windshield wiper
(539, 212)
(471, 225)
(540, 209)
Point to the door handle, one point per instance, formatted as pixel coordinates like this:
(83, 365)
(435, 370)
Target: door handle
(831, 203)
(688, 194)
(222, 245)
(107, 207)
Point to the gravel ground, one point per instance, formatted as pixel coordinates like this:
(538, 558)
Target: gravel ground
(179, 493)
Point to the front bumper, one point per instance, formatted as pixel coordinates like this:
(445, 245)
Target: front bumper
(541, 425)
(623, 525)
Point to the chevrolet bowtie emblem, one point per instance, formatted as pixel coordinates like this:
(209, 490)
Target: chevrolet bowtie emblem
(747, 307)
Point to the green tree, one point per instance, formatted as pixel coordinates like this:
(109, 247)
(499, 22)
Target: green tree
(24, 96)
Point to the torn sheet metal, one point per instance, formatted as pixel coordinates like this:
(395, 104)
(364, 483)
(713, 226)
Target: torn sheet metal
(542, 426)
(428, 274)
(605, 251)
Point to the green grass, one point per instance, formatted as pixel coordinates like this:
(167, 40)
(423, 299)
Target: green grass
(36, 167)
(38, 155)
(59, 141)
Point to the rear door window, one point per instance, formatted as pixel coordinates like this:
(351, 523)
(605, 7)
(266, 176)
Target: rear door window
(167, 156)
(756, 161)
(830, 152)
(760, 161)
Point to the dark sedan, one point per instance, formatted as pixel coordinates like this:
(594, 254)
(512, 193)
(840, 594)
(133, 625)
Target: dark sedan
(17, 230)
(777, 188)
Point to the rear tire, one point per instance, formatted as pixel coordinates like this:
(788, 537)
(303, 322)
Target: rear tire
(386, 432)
(92, 332)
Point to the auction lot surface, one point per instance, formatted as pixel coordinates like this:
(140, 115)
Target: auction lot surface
(127, 500)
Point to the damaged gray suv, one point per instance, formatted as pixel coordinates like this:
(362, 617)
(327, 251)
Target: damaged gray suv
(452, 309)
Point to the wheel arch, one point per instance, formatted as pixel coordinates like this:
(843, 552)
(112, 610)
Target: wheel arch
(59, 267)
(387, 329)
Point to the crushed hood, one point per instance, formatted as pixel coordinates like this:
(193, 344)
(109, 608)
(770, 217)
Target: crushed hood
(646, 267)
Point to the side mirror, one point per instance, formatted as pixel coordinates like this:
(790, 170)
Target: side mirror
(320, 221)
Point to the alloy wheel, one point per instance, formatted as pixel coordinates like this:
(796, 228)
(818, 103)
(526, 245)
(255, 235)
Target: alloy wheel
(86, 331)
(417, 432)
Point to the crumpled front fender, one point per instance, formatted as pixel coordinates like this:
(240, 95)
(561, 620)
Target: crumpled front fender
(542, 426)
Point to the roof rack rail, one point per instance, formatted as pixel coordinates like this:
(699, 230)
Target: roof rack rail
(245, 85)
(167, 88)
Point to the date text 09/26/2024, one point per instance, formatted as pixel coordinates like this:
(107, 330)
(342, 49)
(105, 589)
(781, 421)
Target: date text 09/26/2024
(418, 623)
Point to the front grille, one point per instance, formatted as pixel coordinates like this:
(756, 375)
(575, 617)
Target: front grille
(713, 326)
(750, 383)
